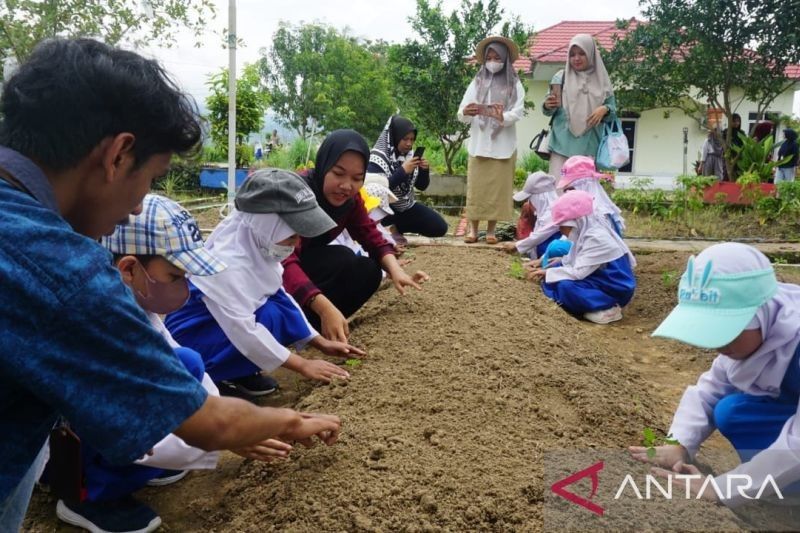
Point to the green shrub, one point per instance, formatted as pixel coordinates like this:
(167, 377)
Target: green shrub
(754, 157)
(183, 175)
(531, 162)
(291, 156)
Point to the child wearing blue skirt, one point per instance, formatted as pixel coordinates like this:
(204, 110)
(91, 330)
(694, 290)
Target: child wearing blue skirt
(241, 320)
(729, 300)
(595, 278)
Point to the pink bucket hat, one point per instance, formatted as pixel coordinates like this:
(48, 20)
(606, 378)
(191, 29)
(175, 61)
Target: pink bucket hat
(571, 205)
(578, 167)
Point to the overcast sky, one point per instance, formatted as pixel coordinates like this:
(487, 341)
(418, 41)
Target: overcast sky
(258, 19)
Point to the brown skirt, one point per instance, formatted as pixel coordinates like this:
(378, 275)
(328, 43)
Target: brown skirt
(490, 186)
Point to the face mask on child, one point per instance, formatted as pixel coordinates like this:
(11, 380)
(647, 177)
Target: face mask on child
(159, 297)
(276, 251)
(494, 66)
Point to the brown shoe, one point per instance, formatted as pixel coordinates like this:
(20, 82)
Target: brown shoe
(470, 239)
(491, 239)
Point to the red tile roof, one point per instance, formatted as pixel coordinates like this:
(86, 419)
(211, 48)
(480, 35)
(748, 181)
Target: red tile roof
(550, 45)
(524, 64)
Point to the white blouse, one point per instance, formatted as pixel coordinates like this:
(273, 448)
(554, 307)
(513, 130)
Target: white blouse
(480, 141)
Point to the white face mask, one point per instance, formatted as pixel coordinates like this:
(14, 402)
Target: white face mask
(494, 66)
(278, 252)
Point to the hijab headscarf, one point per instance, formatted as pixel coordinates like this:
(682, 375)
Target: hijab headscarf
(503, 86)
(594, 243)
(603, 205)
(778, 319)
(789, 146)
(331, 149)
(385, 153)
(251, 276)
(584, 90)
(544, 228)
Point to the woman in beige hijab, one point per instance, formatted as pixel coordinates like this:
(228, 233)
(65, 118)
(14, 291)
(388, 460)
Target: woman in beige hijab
(492, 105)
(587, 100)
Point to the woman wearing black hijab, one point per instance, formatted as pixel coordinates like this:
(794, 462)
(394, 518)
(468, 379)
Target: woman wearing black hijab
(391, 157)
(332, 282)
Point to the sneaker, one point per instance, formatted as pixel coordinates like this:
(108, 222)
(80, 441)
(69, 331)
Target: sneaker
(167, 477)
(605, 316)
(126, 515)
(253, 386)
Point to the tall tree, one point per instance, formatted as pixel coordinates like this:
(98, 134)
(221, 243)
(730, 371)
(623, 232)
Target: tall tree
(23, 23)
(695, 54)
(314, 72)
(251, 103)
(431, 73)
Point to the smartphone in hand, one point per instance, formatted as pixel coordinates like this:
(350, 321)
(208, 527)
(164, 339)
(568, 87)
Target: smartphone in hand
(418, 151)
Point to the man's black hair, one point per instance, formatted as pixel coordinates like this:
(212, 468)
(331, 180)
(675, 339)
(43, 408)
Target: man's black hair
(72, 93)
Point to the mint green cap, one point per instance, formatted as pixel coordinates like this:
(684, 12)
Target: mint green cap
(713, 309)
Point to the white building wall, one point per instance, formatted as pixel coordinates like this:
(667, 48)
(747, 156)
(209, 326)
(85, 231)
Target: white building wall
(658, 141)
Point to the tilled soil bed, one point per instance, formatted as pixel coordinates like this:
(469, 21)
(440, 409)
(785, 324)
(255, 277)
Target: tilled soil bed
(446, 423)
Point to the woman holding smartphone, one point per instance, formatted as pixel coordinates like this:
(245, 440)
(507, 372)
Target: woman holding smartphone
(392, 157)
(580, 100)
(492, 105)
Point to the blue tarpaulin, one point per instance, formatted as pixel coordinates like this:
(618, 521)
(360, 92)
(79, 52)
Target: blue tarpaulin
(217, 178)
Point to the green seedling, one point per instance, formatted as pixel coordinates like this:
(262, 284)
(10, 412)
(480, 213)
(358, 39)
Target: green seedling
(669, 277)
(352, 363)
(516, 270)
(650, 441)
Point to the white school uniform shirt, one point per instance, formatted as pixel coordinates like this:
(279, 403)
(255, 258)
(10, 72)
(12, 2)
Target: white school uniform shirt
(594, 244)
(603, 205)
(761, 374)
(544, 228)
(172, 452)
(480, 141)
(233, 296)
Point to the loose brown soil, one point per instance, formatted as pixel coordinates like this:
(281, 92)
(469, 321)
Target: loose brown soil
(468, 384)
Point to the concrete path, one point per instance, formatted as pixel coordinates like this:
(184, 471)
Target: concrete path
(635, 244)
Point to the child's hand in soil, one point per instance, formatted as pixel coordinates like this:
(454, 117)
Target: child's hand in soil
(335, 348)
(322, 370)
(535, 274)
(695, 483)
(268, 450)
(325, 427)
(420, 277)
(402, 280)
(509, 247)
(666, 456)
(405, 262)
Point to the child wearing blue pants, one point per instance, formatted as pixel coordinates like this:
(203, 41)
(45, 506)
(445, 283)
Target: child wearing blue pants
(153, 253)
(241, 320)
(595, 278)
(729, 300)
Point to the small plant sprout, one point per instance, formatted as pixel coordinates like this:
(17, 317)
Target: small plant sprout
(650, 441)
(669, 278)
(516, 270)
(352, 363)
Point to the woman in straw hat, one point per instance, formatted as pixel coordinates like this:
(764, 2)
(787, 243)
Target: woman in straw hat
(492, 105)
(586, 100)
